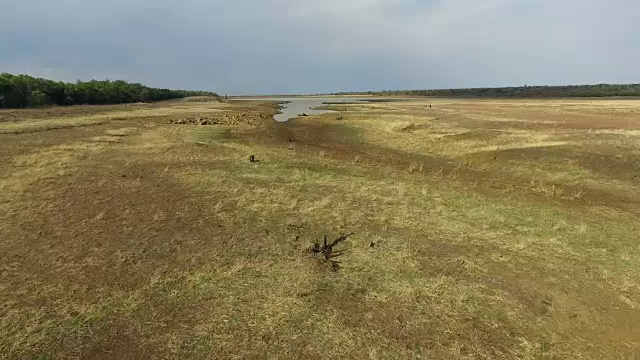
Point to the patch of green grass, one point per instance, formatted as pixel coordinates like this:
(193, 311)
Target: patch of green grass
(43, 125)
(208, 134)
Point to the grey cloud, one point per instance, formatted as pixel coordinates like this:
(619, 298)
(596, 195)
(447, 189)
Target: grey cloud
(286, 46)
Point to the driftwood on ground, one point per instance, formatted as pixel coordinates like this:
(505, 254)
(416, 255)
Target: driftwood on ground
(327, 250)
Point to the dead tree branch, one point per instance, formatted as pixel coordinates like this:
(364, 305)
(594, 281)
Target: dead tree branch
(327, 250)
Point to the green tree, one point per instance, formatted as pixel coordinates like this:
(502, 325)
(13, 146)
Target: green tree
(38, 98)
(18, 91)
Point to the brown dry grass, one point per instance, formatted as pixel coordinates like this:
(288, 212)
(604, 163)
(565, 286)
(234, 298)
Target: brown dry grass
(502, 229)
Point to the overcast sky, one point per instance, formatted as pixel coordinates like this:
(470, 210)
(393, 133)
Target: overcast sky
(313, 46)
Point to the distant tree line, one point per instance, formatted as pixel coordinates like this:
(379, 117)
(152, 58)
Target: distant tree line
(600, 90)
(20, 91)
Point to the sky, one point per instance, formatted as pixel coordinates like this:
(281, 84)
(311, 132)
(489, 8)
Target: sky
(245, 47)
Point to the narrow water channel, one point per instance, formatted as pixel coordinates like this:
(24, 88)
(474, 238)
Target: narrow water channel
(293, 107)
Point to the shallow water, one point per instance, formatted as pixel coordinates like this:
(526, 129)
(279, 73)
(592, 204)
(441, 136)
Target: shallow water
(296, 106)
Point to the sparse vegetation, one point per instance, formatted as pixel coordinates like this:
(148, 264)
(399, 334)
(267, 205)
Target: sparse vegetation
(125, 235)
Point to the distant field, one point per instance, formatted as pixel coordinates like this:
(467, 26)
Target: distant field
(484, 229)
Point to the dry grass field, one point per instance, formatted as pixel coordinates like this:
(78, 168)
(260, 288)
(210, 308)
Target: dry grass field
(484, 229)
